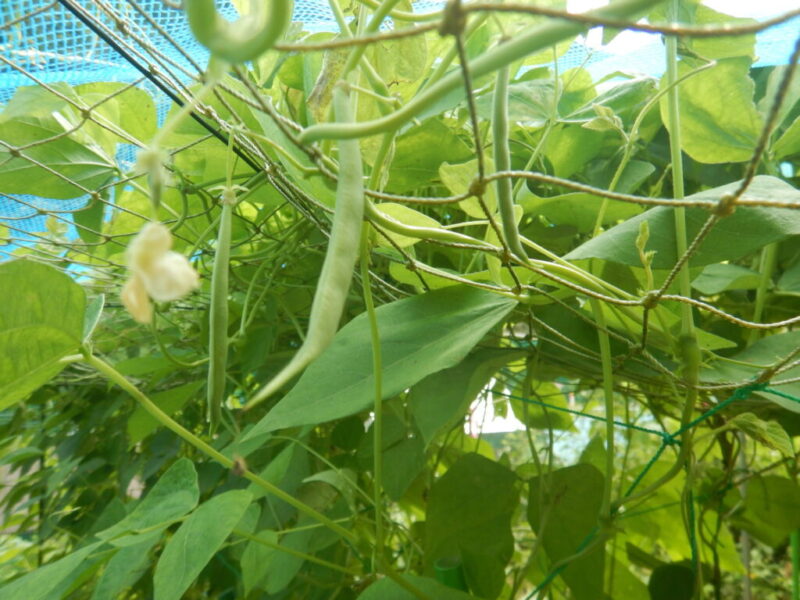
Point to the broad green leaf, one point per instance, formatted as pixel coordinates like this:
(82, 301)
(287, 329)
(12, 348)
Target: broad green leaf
(89, 221)
(751, 227)
(387, 589)
(419, 336)
(401, 62)
(769, 433)
(576, 209)
(124, 569)
(20, 455)
(760, 355)
(469, 517)
(420, 151)
(284, 567)
(94, 310)
(789, 282)
(566, 520)
(674, 581)
(141, 423)
(440, 400)
(789, 142)
(403, 455)
(174, 494)
(529, 103)
(624, 99)
(791, 98)
(40, 323)
(570, 147)
(716, 48)
(720, 278)
(195, 543)
(719, 120)
(458, 177)
(131, 109)
(406, 216)
(41, 583)
(68, 160)
(774, 500)
(256, 562)
(540, 417)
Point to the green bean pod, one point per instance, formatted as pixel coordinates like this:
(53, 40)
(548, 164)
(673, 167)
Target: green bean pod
(502, 162)
(244, 39)
(218, 317)
(422, 233)
(340, 258)
(528, 41)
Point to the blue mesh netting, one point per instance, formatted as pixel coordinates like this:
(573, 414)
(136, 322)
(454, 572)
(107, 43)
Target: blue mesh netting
(43, 41)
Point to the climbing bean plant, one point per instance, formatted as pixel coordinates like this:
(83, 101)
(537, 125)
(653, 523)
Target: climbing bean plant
(257, 363)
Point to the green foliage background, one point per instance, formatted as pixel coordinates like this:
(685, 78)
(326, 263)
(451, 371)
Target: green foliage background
(104, 501)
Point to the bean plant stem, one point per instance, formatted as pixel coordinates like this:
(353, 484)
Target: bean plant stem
(674, 117)
(769, 257)
(377, 425)
(608, 392)
(292, 552)
(116, 377)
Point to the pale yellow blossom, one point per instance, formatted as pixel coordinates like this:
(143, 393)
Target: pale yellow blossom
(156, 272)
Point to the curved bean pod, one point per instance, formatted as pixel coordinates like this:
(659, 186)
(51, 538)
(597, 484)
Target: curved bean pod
(422, 233)
(502, 162)
(528, 41)
(244, 39)
(340, 259)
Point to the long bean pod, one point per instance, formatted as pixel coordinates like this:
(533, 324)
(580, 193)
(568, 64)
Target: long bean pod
(244, 39)
(340, 259)
(218, 317)
(527, 42)
(502, 162)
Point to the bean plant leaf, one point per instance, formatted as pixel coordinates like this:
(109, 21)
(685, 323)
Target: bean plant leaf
(769, 433)
(469, 517)
(576, 209)
(719, 278)
(141, 423)
(419, 336)
(132, 109)
(41, 583)
(387, 589)
(40, 323)
(563, 509)
(256, 561)
(751, 228)
(458, 177)
(94, 310)
(441, 399)
(196, 542)
(419, 153)
(719, 119)
(174, 494)
(674, 581)
(788, 143)
(774, 500)
(403, 455)
(751, 361)
(124, 569)
(68, 161)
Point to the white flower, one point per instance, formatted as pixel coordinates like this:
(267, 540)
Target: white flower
(156, 272)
